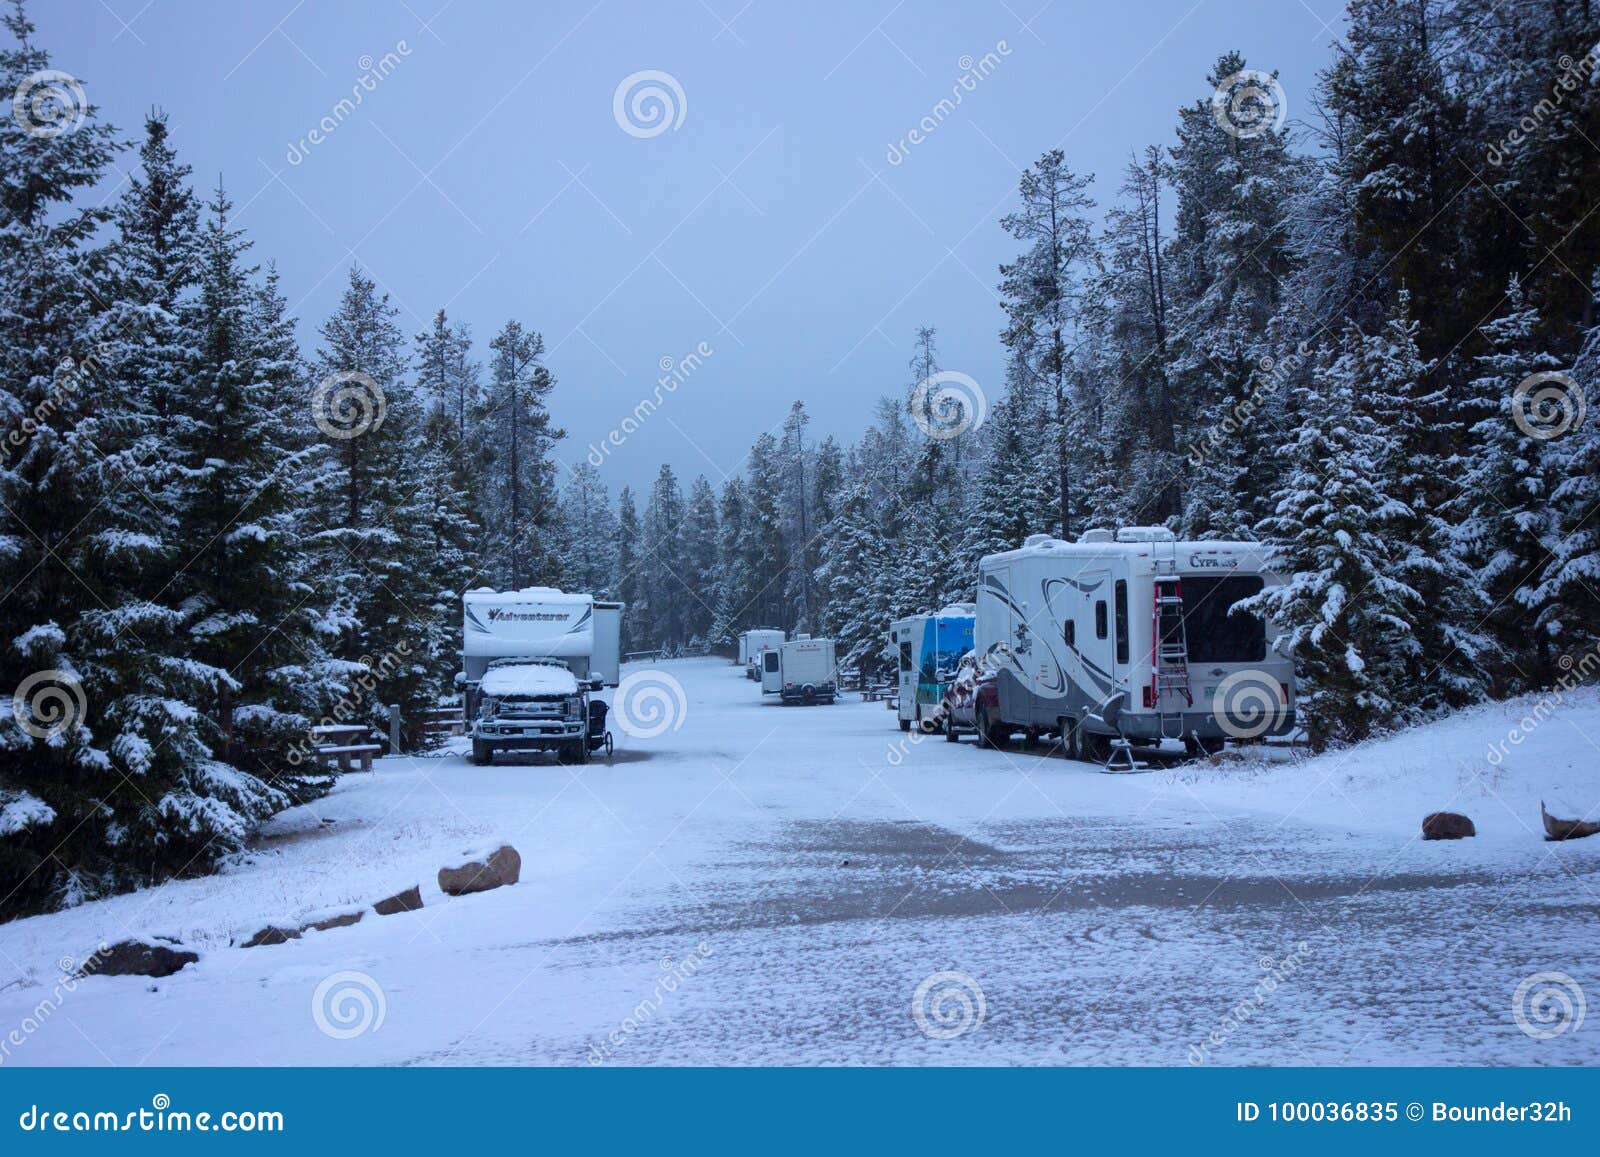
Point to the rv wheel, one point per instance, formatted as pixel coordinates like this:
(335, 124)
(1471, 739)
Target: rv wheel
(1093, 748)
(905, 725)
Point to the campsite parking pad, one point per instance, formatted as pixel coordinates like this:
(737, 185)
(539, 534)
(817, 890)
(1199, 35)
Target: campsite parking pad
(809, 885)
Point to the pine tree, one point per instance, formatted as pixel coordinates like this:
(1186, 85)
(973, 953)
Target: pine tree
(1349, 624)
(520, 439)
(590, 532)
(637, 628)
(700, 561)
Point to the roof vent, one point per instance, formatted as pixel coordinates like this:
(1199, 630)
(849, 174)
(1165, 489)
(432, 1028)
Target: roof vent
(1145, 534)
(1035, 540)
(1098, 535)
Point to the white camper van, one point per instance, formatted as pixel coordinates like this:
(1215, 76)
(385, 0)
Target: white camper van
(800, 671)
(532, 659)
(753, 644)
(1131, 635)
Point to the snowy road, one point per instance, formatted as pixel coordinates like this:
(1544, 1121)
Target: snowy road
(808, 885)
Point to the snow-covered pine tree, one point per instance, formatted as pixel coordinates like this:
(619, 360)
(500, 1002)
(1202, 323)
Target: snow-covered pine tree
(1565, 419)
(663, 561)
(375, 529)
(520, 438)
(1349, 624)
(1041, 292)
(699, 544)
(1504, 520)
(733, 588)
(631, 588)
(590, 532)
(1420, 421)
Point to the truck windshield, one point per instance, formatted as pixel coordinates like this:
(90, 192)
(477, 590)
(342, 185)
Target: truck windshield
(1215, 636)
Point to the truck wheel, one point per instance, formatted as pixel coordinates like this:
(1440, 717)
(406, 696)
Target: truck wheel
(990, 733)
(950, 733)
(482, 752)
(905, 725)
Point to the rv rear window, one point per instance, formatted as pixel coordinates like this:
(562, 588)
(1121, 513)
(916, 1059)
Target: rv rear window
(769, 661)
(1215, 636)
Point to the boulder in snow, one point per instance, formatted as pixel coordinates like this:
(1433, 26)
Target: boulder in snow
(137, 958)
(502, 867)
(343, 920)
(272, 934)
(408, 901)
(1447, 826)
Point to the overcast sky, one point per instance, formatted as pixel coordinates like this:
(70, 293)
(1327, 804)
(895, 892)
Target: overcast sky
(489, 171)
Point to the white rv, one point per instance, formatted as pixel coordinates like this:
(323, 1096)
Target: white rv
(1130, 635)
(531, 660)
(752, 644)
(802, 670)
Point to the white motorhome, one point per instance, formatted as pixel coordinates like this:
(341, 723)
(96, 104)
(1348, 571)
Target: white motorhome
(754, 643)
(802, 670)
(531, 660)
(1131, 635)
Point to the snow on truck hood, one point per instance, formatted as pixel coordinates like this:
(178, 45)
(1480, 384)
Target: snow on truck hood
(534, 679)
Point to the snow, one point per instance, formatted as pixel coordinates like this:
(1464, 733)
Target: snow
(23, 811)
(529, 679)
(771, 885)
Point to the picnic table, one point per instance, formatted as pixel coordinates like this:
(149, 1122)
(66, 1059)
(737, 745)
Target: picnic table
(884, 691)
(345, 744)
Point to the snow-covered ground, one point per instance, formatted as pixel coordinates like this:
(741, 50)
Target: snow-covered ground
(808, 885)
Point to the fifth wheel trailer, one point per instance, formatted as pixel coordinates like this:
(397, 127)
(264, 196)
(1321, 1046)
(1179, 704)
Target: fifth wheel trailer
(1131, 635)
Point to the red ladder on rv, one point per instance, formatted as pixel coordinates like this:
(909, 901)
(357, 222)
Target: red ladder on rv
(1169, 645)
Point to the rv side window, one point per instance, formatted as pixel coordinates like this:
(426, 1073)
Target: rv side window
(905, 658)
(770, 662)
(1069, 633)
(1122, 621)
(1100, 619)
